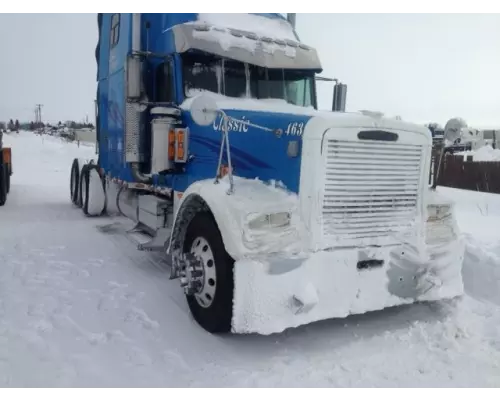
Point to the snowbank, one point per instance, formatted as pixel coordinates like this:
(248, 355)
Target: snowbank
(478, 213)
(485, 153)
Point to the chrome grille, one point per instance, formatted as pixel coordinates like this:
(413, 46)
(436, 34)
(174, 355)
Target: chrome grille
(371, 188)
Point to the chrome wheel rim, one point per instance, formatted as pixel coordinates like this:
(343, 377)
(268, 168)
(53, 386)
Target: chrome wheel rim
(203, 252)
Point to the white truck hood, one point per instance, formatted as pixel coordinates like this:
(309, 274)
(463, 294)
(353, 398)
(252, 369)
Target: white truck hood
(320, 121)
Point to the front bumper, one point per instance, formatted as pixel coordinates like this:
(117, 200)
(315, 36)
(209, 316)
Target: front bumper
(275, 293)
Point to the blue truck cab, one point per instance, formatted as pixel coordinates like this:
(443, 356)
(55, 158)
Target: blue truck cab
(275, 214)
(178, 55)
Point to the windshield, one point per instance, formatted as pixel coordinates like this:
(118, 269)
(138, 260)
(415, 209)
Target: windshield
(236, 79)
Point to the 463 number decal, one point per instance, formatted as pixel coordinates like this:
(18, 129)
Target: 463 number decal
(295, 129)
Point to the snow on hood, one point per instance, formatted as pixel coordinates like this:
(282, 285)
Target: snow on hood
(266, 105)
(341, 119)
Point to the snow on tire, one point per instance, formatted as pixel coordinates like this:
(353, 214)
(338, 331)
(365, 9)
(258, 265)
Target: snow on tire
(81, 164)
(212, 305)
(92, 191)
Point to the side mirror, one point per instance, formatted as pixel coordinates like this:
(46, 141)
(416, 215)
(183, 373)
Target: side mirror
(204, 110)
(339, 97)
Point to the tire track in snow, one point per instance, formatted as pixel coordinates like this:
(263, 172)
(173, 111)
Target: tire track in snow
(481, 271)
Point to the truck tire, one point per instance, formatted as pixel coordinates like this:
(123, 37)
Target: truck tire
(3, 185)
(80, 194)
(74, 181)
(212, 312)
(85, 190)
(7, 180)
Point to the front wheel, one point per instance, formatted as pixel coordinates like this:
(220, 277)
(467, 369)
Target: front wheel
(211, 304)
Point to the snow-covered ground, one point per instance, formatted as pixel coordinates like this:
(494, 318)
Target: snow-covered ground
(82, 308)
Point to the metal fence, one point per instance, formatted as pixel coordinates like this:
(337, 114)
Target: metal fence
(460, 173)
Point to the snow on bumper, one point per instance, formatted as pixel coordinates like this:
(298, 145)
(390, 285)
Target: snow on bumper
(274, 294)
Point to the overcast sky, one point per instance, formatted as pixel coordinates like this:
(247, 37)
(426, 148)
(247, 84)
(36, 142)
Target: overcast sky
(422, 67)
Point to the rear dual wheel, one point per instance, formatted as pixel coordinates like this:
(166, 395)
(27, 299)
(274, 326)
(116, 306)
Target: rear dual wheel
(80, 187)
(83, 199)
(86, 200)
(75, 183)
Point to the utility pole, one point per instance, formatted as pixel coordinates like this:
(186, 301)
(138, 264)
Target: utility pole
(35, 126)
(38, 117)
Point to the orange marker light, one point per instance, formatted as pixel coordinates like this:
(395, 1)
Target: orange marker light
(180, 153)
(171, 144)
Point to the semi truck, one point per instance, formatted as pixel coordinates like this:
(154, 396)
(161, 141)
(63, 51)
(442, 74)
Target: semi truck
(274, 214)
(5, 170)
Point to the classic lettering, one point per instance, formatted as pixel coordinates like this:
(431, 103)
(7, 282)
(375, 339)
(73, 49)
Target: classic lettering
(232, 125)
(292, 129)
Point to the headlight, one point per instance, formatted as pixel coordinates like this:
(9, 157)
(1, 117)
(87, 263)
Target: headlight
(263, 221)
(437, 212)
